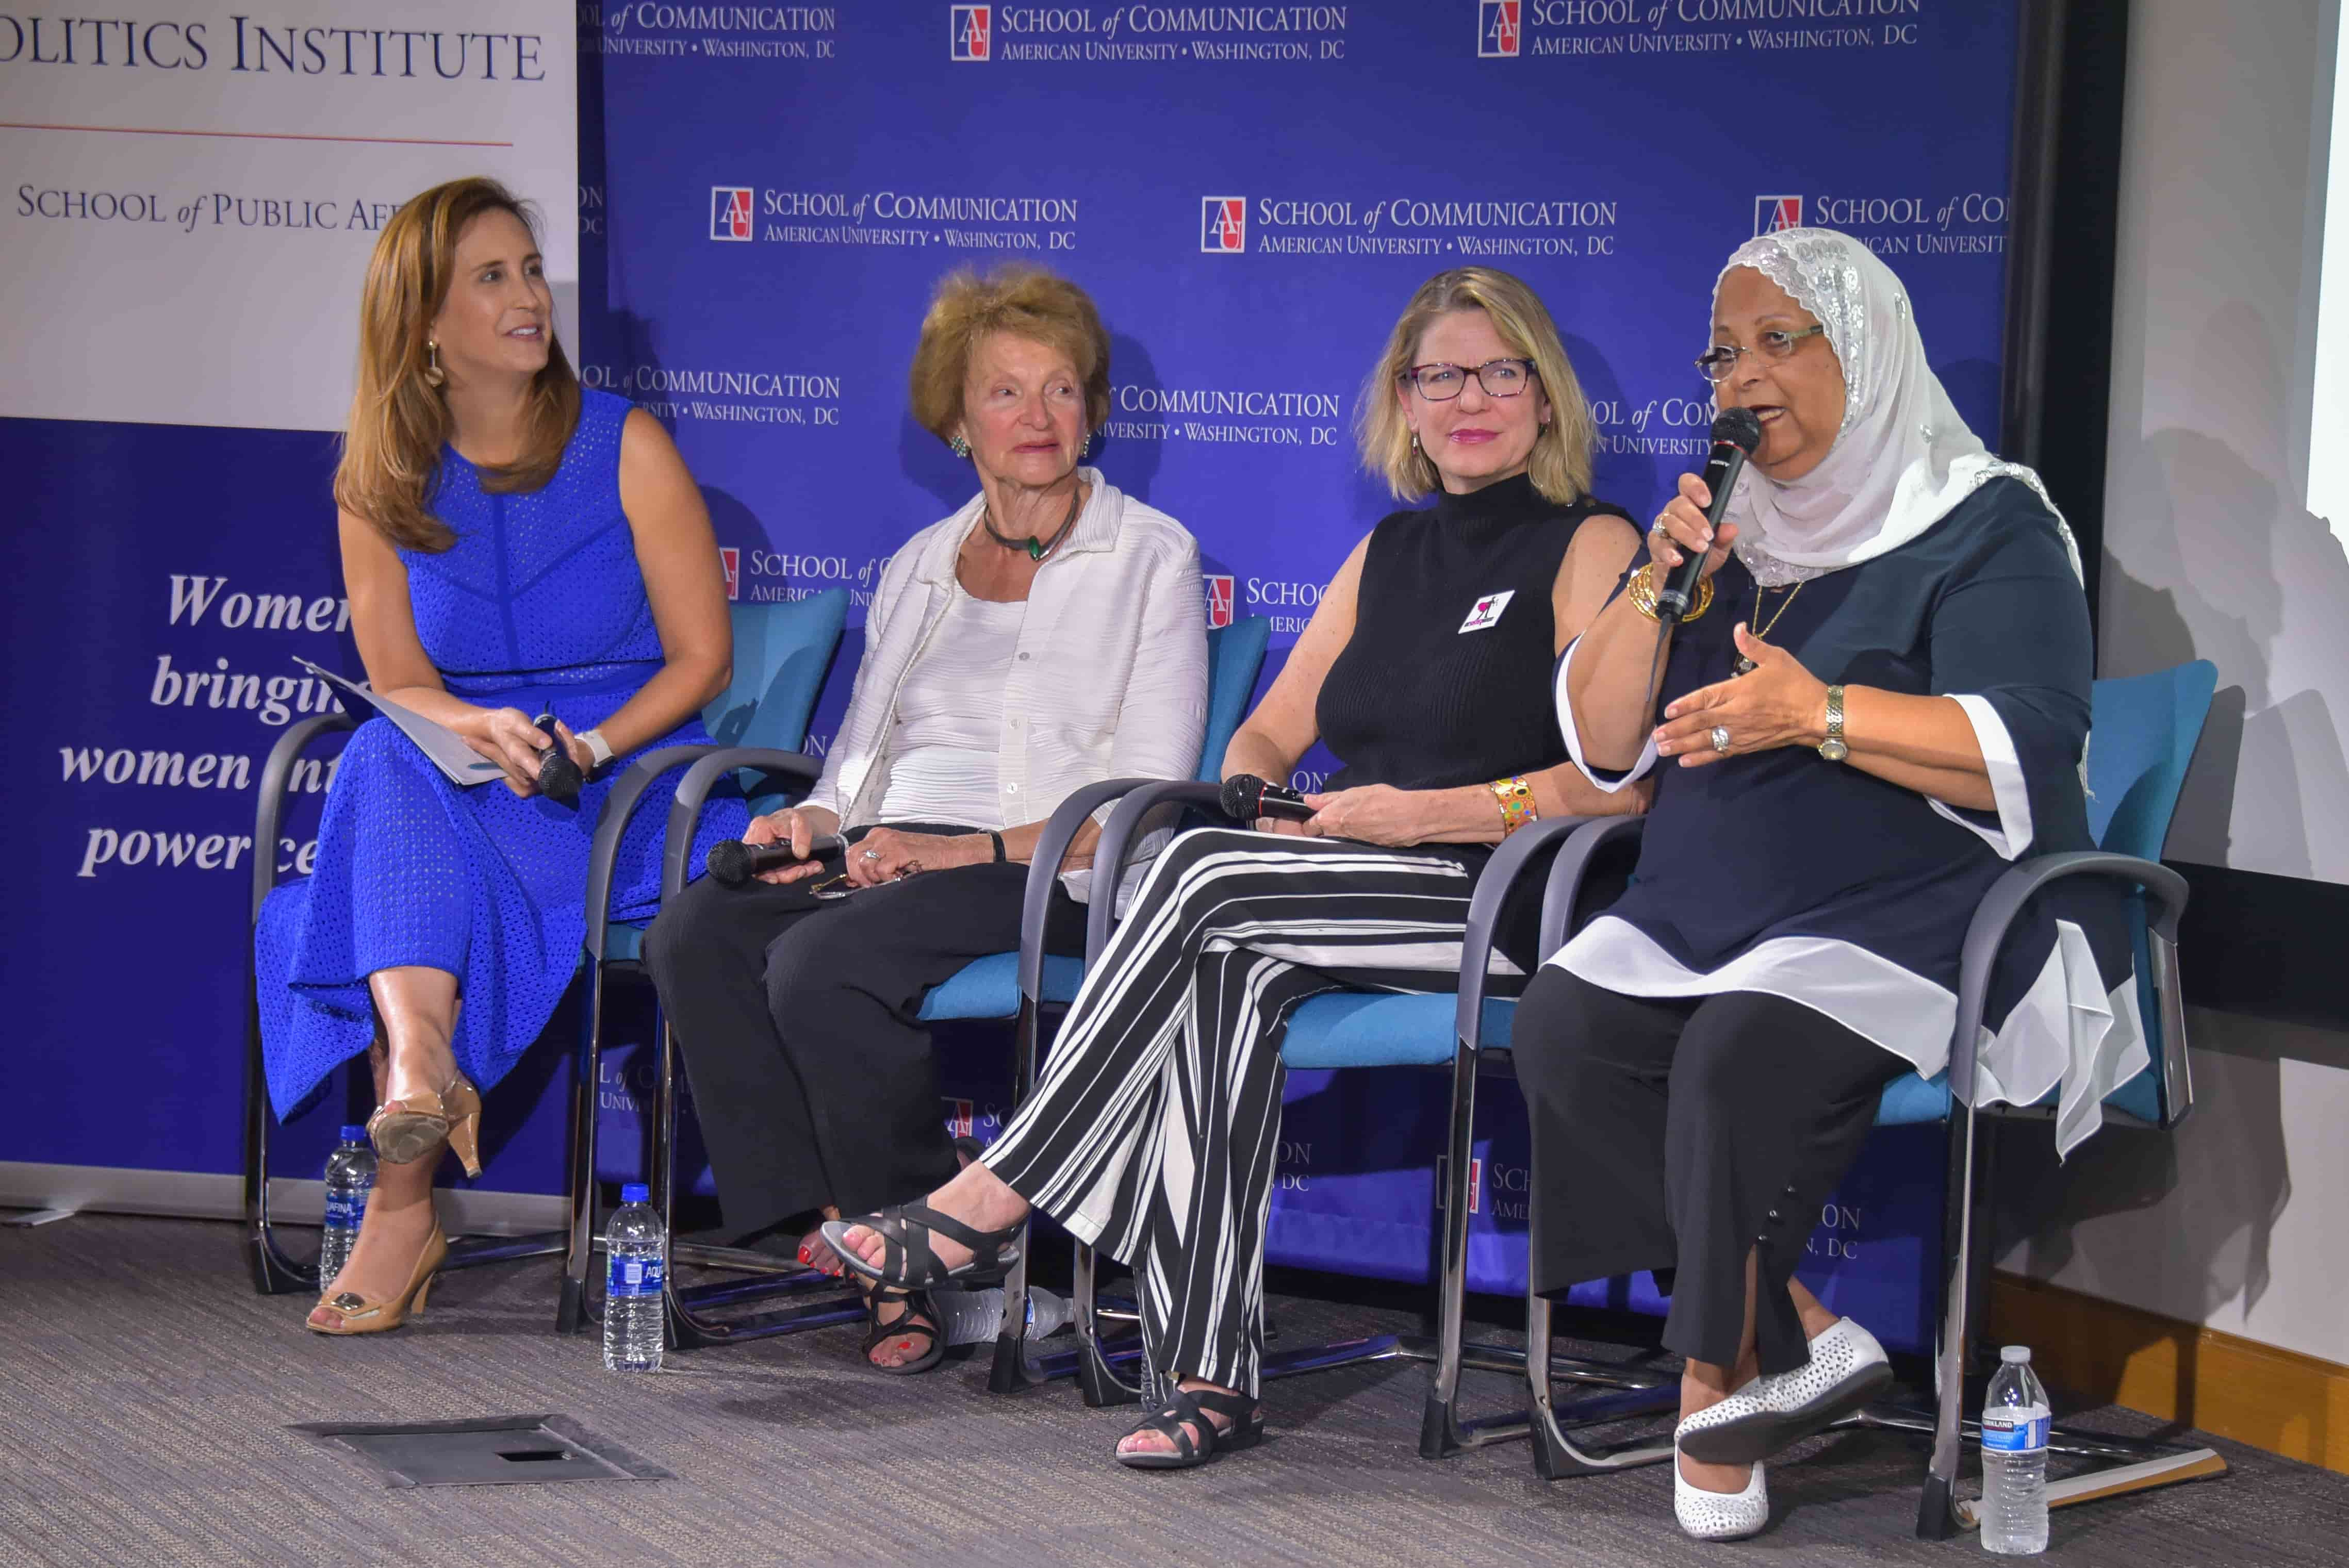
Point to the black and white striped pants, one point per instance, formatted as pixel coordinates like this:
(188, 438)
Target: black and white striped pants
(1153, 1131)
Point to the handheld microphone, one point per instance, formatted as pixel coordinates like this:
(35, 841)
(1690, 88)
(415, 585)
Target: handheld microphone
(1247, 797)
(559, 778)
(733, 862)
(1736, 433)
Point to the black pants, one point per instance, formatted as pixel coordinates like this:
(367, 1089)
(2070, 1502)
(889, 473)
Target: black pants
(1680, 1135)
(795, 1014)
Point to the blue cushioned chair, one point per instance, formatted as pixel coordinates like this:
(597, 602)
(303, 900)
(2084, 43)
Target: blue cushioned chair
(988, 988)
(2144, 733)
(781, 652)
(1462, 1029)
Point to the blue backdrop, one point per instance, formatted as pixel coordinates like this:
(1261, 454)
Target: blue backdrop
(1250, 192)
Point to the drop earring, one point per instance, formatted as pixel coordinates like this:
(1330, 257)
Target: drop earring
(1087, 445)
(433, 375)
(958, 446)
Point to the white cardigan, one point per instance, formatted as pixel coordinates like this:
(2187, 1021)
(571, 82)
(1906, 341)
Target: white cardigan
(1110, 679)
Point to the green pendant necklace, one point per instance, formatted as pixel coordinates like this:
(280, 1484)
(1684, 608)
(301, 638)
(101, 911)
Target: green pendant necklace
(1036, 548)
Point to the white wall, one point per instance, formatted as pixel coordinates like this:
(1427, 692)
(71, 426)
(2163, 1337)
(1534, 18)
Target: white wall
(2240, 1220)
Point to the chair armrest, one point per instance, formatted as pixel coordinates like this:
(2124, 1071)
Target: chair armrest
(1572, 866)
(1044, 870)
(1986, 935)
(1117, 843)
(275, 775)
(693, 793)
(619, 807)
(1501, 873)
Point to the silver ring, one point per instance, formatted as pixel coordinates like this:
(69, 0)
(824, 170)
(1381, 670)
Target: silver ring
(872, 854)
(1719, 738)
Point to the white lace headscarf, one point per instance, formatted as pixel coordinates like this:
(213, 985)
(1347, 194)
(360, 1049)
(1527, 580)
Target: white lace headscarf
(1903, 459)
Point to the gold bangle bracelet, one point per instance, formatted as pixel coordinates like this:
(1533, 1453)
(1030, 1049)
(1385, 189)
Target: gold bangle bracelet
(1642, 592)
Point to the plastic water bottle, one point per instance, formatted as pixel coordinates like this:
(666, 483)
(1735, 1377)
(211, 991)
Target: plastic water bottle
(2014, 1459)
(636, 1249)
(973, 1317)
(350, 1177)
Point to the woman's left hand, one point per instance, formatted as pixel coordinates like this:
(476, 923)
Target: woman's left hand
(884, 854)
(1777, 703)
(1371, 813)
(577, 747)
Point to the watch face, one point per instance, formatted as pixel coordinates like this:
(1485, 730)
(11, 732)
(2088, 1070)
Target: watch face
(1834, 750)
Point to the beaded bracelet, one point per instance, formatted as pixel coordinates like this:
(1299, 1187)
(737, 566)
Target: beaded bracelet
(1516, 801)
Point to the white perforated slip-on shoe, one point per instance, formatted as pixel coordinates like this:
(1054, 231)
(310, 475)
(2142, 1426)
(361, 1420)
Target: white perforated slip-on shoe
(1720, 1515)
(1847, 1369)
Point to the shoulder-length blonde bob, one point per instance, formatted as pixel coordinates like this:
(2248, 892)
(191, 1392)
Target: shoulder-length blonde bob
(399, 422)
(1560, 464)
(1024, 300)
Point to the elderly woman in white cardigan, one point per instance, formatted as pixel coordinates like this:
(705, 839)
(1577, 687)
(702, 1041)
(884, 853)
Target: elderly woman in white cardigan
(1048, 634)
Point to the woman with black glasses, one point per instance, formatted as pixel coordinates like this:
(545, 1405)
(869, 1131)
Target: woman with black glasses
(1427, 670)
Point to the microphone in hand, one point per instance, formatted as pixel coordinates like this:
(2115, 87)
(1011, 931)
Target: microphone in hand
(559, 778)
(1247, 797)
(733, 862)
(1736, 433)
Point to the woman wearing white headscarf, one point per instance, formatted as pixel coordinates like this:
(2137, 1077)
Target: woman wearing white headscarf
(1882, 700)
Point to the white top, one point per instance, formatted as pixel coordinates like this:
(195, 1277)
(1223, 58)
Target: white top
(1109, 679)
(942, 742)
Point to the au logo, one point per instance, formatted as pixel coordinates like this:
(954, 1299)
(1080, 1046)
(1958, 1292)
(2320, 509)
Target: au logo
(1219, 599)
(970, 28)
(1498, 25)
(960, 1120)
(1772, 213)
(730, 212)
(729, 560)
(1223, 224)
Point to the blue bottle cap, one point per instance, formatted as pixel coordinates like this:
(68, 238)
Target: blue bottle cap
(636, 1192)
(353, 1134)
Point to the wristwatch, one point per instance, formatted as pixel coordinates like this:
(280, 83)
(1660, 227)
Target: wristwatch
(1832, 747)
(597, 747)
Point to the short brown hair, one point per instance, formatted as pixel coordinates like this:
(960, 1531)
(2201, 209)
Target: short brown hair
(399, 422)
(1026, 301)
(1560, 464)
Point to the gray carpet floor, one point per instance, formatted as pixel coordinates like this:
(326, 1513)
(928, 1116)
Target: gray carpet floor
(145, 1394)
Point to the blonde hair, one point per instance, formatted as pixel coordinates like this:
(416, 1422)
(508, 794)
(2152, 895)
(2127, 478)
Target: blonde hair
(1560, 464)
(1026, 301)
(399, 422)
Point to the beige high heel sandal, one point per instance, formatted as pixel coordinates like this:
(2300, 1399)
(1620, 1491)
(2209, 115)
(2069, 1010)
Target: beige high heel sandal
(414, 1126)
(355, 1314)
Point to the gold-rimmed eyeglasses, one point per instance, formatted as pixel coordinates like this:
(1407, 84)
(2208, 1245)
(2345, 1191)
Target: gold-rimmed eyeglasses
(1718, 362)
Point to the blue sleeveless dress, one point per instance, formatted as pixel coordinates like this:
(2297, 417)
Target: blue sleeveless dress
(539, 605)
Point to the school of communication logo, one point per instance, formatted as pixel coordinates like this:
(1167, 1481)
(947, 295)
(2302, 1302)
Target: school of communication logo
(1220, 587)
(969, 29)
(1772, 213)
(1223, 224)
(730, 213)
(1500, 31)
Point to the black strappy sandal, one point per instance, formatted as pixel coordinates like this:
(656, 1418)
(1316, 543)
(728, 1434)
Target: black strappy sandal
(1189, 1408)
(908, 1263)
(905, 1325)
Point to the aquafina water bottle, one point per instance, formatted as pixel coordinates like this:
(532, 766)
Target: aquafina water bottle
(350, 1177)
(2014, 1459)
(631, 1290)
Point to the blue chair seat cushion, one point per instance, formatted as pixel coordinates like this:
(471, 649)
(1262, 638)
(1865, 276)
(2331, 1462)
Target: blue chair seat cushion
(1384, 1030)
(988, 987)
(1909, 1100)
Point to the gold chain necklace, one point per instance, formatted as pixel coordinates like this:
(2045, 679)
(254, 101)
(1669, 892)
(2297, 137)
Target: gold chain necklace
(1745, 665)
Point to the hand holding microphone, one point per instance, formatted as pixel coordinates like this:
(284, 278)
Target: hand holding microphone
(1247, 798)
(1690, 540)
(782, 847)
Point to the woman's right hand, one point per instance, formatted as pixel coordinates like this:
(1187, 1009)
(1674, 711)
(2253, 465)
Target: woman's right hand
(799, 827)
(1681, 528)
(507, 738)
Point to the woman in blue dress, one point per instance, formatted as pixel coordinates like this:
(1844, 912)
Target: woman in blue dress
(512, 546)
(1880, 702)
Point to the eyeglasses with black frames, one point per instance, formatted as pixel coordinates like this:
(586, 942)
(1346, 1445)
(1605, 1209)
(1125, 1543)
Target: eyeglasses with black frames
(1498, 378)
(1771, 348)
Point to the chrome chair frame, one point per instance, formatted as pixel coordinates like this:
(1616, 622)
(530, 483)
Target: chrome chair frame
(1967, 1248)
(1443, 1432)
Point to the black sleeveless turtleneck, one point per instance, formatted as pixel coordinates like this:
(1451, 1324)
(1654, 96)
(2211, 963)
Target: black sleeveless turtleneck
(1446, 679)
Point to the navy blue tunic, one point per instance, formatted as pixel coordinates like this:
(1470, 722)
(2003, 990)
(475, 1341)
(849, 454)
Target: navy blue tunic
(1780, 871)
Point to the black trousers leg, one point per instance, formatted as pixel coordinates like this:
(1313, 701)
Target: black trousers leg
(1682, 1135)
(812, 1082)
